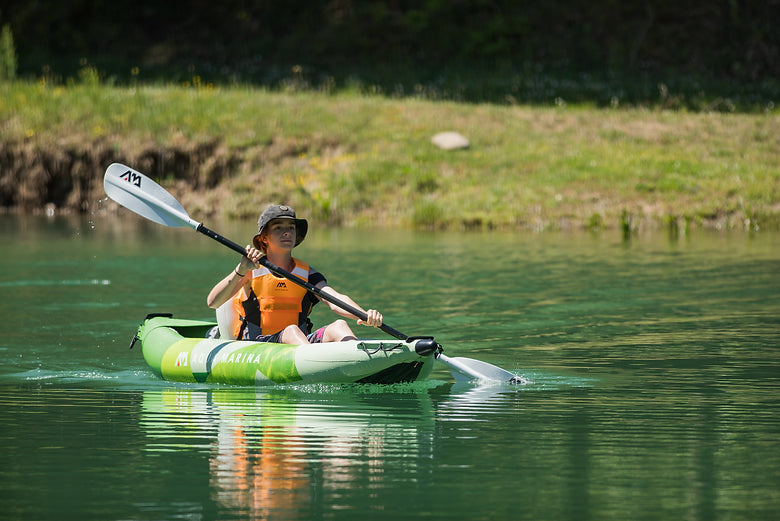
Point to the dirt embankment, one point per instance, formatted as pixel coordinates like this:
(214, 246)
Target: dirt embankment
(68, 178)
(208, 177)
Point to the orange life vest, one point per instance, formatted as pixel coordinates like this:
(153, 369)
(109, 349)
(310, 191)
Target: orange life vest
(273, 302)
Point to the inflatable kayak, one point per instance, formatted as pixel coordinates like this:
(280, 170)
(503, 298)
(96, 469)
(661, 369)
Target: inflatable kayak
(180, 350)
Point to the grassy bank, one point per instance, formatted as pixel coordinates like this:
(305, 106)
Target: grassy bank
(360, 159)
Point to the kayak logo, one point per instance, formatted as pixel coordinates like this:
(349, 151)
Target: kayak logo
(281, 284)
(131, 177)
(181, 360)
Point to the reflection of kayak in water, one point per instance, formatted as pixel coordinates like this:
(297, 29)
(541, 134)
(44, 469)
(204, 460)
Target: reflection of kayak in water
(284, 452)
(334, 411)
(178, 350)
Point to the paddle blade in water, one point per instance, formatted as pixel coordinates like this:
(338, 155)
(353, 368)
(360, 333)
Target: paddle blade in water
(467, 369)
(142, 195)
(493, 372)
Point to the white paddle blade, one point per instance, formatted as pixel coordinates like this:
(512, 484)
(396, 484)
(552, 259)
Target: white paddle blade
(142, 195)
(492, 372)
(467, 369)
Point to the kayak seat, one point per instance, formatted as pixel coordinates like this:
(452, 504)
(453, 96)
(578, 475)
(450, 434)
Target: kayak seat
(226, 315)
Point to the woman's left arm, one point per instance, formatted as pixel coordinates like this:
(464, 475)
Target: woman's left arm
(374, 317)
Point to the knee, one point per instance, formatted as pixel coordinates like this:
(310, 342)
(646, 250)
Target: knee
(340, 324)
(338, 330)
(341, 329)
(293, 335)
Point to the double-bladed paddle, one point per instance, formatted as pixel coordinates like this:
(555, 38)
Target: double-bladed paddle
(142, 195)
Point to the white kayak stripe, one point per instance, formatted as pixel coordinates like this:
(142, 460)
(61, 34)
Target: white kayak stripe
(261, 379)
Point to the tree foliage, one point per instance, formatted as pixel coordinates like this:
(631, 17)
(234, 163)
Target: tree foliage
(735, 39)
(7, 54)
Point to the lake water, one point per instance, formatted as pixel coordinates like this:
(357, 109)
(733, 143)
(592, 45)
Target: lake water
(654, 369)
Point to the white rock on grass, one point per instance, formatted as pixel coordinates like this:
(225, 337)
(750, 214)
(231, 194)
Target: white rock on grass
(450, 141)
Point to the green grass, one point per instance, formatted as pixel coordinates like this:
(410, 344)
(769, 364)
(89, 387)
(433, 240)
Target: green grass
(366, 160)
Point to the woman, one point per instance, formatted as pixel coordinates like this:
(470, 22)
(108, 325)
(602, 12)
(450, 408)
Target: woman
(272, 308)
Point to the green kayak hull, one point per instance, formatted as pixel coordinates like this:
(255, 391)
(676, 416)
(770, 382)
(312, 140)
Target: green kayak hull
(179, 350)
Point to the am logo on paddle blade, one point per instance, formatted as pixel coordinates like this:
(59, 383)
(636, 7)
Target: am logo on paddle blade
(132, 178)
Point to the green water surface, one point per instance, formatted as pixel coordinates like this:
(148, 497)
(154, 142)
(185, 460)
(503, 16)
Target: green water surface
(654, 371)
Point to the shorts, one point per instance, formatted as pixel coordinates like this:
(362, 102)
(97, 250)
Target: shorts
(316, 337)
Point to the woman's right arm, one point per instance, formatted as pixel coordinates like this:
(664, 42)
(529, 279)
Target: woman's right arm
(227, 287)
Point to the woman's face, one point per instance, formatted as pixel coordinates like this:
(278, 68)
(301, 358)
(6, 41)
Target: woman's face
(280, 234)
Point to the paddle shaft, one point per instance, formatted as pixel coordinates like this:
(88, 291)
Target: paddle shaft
(297, 280)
